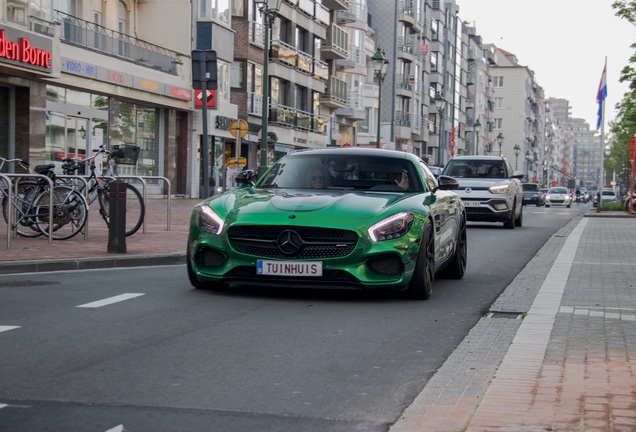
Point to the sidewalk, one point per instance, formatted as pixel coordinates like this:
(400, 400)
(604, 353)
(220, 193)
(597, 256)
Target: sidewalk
(157, 245)
(557, 350)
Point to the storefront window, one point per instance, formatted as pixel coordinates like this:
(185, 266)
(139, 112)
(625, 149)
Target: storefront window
(4, 123)
(138, 126)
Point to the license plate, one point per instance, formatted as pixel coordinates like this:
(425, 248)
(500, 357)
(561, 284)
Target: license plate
(289, 268)
(472, 204)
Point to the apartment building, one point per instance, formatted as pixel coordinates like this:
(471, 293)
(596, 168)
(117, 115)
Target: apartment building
(82, 74)
(518, 114)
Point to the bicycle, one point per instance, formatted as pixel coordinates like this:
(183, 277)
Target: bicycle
(31, 200)
(99, 187)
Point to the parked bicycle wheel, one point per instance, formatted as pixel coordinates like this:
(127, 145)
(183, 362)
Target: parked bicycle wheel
(70, 212)
(135, 208)
(23, 218)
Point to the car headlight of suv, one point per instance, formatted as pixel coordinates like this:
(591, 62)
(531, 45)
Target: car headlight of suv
(499, 189)
(392, 227)
(208, 221)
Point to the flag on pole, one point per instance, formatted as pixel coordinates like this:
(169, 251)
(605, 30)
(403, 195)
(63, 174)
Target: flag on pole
(601, 95)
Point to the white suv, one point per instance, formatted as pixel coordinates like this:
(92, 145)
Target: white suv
(490, 189)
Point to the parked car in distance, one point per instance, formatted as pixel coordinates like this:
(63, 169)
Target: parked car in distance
(532, 194)
(435, 170)
(607, 195)
(490, 189)
(350, 218)
(558, 196)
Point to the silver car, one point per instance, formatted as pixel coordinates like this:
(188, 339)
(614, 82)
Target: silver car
(489, 188)
(558, 196)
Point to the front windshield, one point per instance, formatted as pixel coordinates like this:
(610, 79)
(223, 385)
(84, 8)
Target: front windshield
(328, 172)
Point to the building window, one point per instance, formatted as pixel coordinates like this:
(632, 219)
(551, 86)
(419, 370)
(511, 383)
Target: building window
(497, 81)
(217, 10)
(236, 75)
(498, 124)
(499, 103)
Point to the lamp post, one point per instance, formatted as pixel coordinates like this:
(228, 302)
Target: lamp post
(440, 103)
(380, 68)
(527, 164)
(476, 127)
(500, 139)
(268, 17)
(517, 150)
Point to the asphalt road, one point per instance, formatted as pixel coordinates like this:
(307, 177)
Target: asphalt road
(140, 350)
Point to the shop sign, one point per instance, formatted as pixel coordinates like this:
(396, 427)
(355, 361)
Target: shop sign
(25, 49)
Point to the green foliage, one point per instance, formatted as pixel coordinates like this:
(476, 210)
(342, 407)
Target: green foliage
(624, 125)
(612, 206)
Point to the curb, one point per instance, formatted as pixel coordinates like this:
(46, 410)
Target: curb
(34, 266)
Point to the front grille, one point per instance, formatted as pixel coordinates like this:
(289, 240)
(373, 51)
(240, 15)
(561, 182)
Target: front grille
(317, 243)
(207, 257)
(387, 265)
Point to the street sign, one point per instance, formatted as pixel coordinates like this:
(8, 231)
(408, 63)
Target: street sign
(238, 128)
(204, 69)
(211, 98)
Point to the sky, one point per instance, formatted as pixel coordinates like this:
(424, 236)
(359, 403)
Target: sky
(564, 42)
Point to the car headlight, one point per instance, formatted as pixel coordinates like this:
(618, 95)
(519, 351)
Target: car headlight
(393, 227)
(208, 221)
(499, 189)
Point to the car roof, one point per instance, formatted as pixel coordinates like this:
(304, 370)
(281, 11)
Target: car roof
(355, 151)
(478, 157)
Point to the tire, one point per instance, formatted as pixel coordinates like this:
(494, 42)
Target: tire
(519, 220)
(510, 223)
(457, 266)
(25, 226)
(70, 212)
(135, 208)
(423, 279)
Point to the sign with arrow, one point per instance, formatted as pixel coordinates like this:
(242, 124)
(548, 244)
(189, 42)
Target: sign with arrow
(211, 98)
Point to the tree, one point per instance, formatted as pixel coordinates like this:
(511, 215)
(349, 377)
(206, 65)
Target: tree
(624, 125)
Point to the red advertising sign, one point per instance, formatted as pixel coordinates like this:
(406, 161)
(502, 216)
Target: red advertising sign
(211, 98)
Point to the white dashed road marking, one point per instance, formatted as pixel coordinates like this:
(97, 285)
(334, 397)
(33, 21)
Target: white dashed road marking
(7, 328)
(111, 300)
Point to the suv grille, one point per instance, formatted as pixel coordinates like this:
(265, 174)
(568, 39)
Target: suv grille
(310, 242)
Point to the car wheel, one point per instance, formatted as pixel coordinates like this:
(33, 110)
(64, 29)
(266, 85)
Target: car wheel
(457, 266)
(421, 285)
(519, 220)
(510, 223)
(569, 205)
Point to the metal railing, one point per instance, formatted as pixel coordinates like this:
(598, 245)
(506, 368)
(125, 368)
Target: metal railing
(76, 31)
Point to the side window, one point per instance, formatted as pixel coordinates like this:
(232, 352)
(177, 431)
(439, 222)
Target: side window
(429, 179)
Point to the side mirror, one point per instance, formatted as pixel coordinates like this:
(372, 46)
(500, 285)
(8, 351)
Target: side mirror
(447, 183)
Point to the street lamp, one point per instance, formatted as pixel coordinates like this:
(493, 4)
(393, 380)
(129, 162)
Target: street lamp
(527, 164)
(500, 139)
(517, 150)
(476, 127)
(268, 19)
(440, 103)
(380, 68)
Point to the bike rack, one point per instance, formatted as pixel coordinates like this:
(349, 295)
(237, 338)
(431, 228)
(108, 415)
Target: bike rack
(143, 179)
(12, 210)
(85, 192)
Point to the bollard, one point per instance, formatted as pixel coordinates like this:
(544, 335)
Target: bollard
(117, 217)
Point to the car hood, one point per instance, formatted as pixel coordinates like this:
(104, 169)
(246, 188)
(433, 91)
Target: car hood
(252, 205)
(480, 183)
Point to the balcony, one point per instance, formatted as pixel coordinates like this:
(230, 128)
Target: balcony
(336, 4)
(336, 46)
(85, 34)
(354, 109)
(335, 95)
(291, 117)
(289, 56)
(405, 85)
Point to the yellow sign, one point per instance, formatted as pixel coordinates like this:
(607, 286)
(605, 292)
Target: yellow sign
(242, 162)
(238, 128)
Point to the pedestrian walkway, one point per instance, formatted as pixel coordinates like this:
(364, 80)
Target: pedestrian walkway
(566, 361)
(557, 350)
(156, 242)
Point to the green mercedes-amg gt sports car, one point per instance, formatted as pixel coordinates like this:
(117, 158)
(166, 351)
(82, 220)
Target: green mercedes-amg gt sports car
(336, 218)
